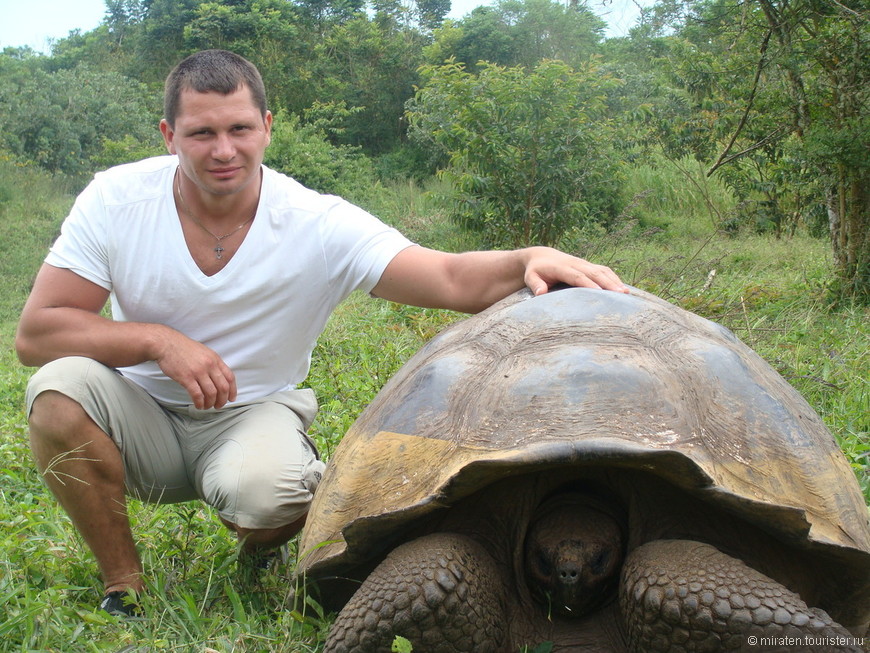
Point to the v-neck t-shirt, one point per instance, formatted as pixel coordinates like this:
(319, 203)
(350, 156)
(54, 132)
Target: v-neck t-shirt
(304, 253)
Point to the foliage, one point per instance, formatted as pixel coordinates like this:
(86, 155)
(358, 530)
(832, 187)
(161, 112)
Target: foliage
(519, 33)
(770, 95)
(32, 202)
(60, 120)
(267, 32)
(776, 101)
(246, 27)
(372, 66)
(126, 150)
(530, 152)
(410, 161)
(306, 51)
(324, 13)
(303, 152)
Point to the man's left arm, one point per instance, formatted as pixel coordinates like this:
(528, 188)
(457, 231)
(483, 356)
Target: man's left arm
(473, 281)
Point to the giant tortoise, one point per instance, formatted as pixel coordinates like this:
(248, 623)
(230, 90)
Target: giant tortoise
(589, 471)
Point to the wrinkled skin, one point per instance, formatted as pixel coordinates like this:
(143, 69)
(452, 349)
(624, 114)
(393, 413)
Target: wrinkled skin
(449, 592)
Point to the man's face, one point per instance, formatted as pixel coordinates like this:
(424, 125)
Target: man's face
(219, 139)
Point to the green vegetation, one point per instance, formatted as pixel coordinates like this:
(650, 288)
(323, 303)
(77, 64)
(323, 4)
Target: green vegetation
(531, 154)
(769, 96)
(715, 157)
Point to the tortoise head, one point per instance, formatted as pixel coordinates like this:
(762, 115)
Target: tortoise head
(573, 553)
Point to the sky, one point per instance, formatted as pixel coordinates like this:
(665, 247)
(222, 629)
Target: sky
(37, 22)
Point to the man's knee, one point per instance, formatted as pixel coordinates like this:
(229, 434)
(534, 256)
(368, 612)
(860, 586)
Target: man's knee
(55, 416)
(259, 494)
(51, 407)
(258, 538)
(265, 503)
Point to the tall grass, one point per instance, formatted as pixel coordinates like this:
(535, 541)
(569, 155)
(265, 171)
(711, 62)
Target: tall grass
(770, 291)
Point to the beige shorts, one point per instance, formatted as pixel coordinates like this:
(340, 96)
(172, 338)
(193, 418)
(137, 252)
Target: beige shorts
(253, 462)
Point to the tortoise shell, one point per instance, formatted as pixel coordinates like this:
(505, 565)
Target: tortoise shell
(578, 377)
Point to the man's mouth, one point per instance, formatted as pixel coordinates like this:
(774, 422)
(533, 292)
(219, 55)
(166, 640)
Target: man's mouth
(223, 173)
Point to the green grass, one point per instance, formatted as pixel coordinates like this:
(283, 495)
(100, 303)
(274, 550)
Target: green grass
(770, 292)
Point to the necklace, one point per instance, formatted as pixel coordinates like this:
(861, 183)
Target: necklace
(218, 248)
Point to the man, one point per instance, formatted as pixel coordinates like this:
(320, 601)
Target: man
(221, 274)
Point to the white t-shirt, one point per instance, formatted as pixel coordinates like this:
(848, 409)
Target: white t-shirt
(262, 313)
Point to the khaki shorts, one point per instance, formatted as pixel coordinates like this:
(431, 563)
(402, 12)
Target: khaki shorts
(252, 462)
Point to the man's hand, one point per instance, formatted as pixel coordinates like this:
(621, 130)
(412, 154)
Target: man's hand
(198, 369)
(62, 318)
(546, 267)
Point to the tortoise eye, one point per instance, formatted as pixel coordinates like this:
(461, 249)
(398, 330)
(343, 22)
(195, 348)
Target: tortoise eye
(600, 562)
(543, 563)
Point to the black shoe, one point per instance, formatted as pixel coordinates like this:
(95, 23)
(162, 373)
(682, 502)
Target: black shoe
(121, 604)
(264, 559)
(252, 566)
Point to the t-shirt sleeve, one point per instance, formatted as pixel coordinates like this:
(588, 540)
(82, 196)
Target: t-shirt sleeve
(82, 244)
(358, 247)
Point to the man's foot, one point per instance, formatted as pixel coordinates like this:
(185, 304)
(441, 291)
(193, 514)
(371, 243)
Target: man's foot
(121, 604)
(253, 564)
(265, 559)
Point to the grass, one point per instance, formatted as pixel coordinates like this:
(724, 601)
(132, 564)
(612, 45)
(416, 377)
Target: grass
(770, 292)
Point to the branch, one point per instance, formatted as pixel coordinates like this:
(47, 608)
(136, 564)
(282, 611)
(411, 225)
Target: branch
(722, 161)
(723, 158)
(846, 9)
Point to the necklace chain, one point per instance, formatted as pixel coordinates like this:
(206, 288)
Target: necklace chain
(218, 249)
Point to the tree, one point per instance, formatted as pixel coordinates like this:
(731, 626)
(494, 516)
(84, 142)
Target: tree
(158, 38)
(267, 32)
(370, 66)
(521, 32)
(430, 13)
(529, 152)
(323, 14)
(303, 152)
(784, 87)
(832, 117)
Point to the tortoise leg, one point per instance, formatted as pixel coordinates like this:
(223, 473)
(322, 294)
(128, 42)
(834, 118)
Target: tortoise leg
(442, 592)
(681, 596)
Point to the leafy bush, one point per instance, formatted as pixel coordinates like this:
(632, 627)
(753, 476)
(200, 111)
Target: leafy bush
(409, 161)
(303, 152)
(530, 152)
(125, 150)
(59, 120)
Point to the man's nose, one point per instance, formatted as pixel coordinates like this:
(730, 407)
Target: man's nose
(224, 150)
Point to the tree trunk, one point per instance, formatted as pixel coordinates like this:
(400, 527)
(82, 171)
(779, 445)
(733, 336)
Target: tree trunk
(848, 196)
(854, 271)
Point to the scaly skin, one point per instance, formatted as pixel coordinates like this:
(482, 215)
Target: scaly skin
(573, 555)
(682, 596)
(442, 592)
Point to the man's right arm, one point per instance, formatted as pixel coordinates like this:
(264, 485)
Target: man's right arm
(62, 318)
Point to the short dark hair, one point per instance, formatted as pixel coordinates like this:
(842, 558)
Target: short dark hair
(216, 71)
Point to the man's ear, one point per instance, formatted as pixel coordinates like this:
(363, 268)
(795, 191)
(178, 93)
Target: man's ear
(267, 120)
(168, 136)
